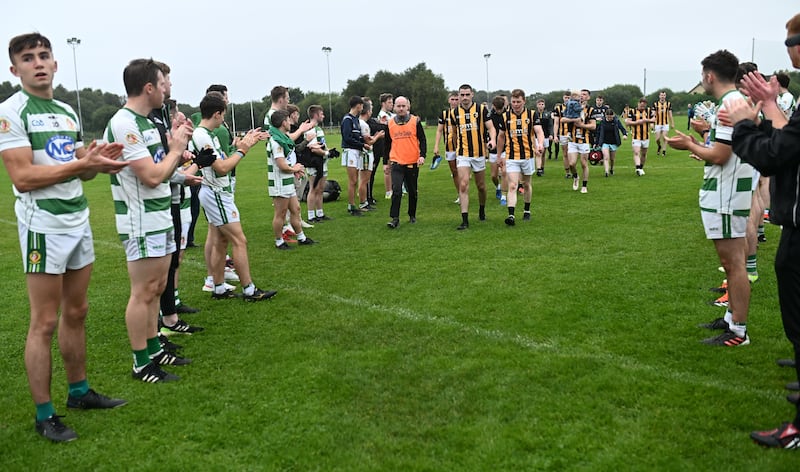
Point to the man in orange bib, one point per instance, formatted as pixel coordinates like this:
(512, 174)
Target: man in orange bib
(406, 146)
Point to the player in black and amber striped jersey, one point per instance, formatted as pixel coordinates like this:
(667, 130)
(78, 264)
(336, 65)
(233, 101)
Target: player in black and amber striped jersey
(445, 130)
(663, 114)
(471, 122)
(499, 106)
(545, 119)
(522, 138)
(579, 144)
(560, 129)
(638, 121)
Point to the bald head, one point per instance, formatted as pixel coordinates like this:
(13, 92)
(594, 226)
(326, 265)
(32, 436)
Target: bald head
(402, 106)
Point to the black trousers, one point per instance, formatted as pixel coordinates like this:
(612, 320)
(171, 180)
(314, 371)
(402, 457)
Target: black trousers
(787, 272)
(408, 175)
(195, 209)
(168, 295)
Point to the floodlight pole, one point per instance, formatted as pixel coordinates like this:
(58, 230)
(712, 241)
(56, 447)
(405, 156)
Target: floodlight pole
(75, 42)
(327, 50)
(487, 56)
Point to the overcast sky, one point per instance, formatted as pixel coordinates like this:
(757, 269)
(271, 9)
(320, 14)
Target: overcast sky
(537, 46)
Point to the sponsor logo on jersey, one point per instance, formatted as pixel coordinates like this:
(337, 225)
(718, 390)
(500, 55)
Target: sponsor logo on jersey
(131, 138)
(34, 257)
(159, 155)
(60, 148)
(5, 125)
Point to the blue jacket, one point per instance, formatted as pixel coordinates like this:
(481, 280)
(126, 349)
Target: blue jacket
(351, 133)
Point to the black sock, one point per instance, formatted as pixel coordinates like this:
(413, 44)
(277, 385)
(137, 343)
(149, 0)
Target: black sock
(528, 207)
(465, 218)
(511, 211)
(585, 183)
(639, 166)
(482, 210)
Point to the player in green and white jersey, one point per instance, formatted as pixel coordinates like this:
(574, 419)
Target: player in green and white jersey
(724, 198)
(216, 198)
(142, 200)
(42, 150)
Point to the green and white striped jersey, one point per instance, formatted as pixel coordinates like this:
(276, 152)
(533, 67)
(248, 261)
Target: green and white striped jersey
(203, 138)
(727, 188)
(140, 210)
(50, 128)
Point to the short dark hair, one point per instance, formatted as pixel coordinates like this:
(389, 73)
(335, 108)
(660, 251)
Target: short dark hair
(212, 103)
(783, 79)
(313, 110)
(164, 67)
(517, 93)
(27, 41)
(278, 92)
(138, 73)
(498, 103)
(217, 88)
(386, 96)
(589, 92)
(466, 86)
(278, 117)
(744, 69)
(355, 100)
(723, 64)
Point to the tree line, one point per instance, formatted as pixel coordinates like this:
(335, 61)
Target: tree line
(423, 87)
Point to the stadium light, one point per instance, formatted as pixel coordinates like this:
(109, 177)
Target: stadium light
(327, 50)
(75, 42)
(487, 56)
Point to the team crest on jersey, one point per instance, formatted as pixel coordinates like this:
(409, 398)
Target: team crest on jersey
(34, 257)
(235, 214)
(60, 148)
(131, 138)
(5, 125)
(71, 124)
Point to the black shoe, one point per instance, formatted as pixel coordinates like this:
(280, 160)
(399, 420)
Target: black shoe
(181, 327)
(394, 223)
(53, 429)
(786, 362)
(355, 212)
(793, 398)
(463, 226)
(225, 295)
(762, 238)
(283, 246)
(166, 358)
(259, 295)
(412, 219)
(482, 216)
(793, 386)
(786, 436)
(526, 216)
(186, 309)
(168, 345)
(510, 220)
(152, 373)
(306, 242)
(718, 323)
(324, 218)
(539, 173)
(93, 400)
(190, 245)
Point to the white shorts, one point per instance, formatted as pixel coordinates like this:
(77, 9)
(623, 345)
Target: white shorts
(661, 128)
(477, 164)
(284, 188)
(351, 158)
(219, 208)
(563, 140)
(450, 155)
(55, 253)
(186, 221)
(756, 179)
(643, 143)
(520, 166)
(493, 158)
(721, 226)
(152, 245)
(367, 159)
(578, 148)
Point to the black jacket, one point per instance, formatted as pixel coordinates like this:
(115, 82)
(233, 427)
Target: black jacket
(774, 153)
(608, 131)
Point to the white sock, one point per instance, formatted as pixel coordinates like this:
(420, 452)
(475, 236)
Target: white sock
(280, 241)
(209, 280)
(310, 214)
(219, 289)
(728, 317)
(301, 236)
(739, 329)
(249, 289)
(320, 213)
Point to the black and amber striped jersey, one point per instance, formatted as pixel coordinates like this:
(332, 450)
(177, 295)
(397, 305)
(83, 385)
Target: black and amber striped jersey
(662, 109)
(558, 111)
(470, 128)
(447, 131)
(520, 137)
(579, 135)
(640, 131)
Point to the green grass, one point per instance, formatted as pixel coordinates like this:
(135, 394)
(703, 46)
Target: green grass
(566, 343)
